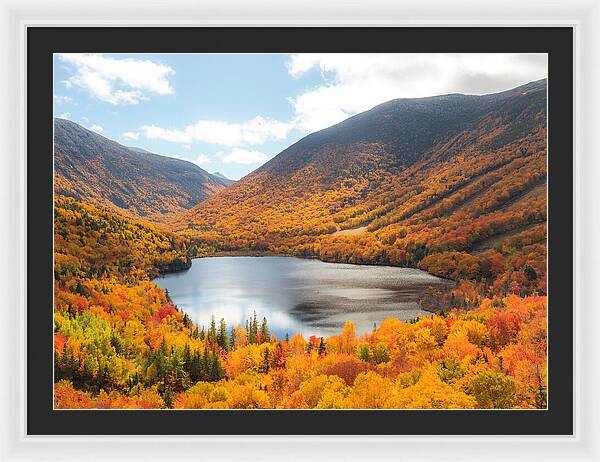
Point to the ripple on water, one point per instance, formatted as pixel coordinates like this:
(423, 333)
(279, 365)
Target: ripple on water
(295, 294)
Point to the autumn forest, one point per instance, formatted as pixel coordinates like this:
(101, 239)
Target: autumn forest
(453, 185)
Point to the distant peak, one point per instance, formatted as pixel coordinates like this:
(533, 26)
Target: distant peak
(220, 175)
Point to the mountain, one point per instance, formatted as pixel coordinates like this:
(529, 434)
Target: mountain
(397, 133)
(444, 183)
(100, 171)
(224, 178)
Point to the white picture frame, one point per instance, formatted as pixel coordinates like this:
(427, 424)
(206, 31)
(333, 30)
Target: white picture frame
(17, 15)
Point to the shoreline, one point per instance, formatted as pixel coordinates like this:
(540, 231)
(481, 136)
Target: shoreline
(243, 253)
(259, 253)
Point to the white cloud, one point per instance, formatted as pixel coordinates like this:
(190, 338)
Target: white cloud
(65, 115)
(357, 82)
(241, 156)
(130, 135)
(60, 99)
(117, 81)
(96, 128)
(255, 131)
(201, 160)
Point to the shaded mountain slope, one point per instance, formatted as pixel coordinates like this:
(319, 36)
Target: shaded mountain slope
(100, 171)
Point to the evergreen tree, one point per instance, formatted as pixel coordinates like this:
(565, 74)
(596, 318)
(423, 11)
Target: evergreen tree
(160, 361)
(541, 396)
(255, 326)
(187, 358)
(253, 332)
(65, 362)
(57, 367)
(216, 372)
(186, 321)
(212, 332)
(116, 342)
(75, 367)
(168, 398)
(206, 364)
(530, 273)
(195, 332)
(264, 331)
(88, 370)
(179, 377)
(71, 366)
(321, 349)
(222, 339)
(251, 338)
(195, 368)
(232, 338)
(80, 289)
(266, 361)
(102, 375)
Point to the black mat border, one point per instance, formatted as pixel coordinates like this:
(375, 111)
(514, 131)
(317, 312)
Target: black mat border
(43, 41)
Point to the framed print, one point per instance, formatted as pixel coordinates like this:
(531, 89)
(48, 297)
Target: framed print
(392, 258)
(264, 231)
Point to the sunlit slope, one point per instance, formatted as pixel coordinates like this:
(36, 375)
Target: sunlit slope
(444, 183)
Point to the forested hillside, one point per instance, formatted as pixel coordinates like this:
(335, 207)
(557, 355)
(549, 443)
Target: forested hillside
(454, 184)
(99, 171)
(119, 341)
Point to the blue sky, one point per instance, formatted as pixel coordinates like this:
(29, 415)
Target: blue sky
(232, 112)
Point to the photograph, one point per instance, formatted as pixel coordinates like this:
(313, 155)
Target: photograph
(300, 231)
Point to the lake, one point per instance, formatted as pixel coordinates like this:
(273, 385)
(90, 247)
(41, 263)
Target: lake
(296, 294)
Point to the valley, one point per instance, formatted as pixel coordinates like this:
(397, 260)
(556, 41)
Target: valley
(374, 197)
(452, 185)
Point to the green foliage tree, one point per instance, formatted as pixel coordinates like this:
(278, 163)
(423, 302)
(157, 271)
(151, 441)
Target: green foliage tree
(364, 352)
(380, 353)
(493, 390)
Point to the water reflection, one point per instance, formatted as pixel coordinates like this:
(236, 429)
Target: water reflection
(296, 294)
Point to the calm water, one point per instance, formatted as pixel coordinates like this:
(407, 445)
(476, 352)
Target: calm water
(296, 294)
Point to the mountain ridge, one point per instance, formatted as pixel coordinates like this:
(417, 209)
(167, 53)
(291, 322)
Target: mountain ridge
(101, 171)
(417, 107)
